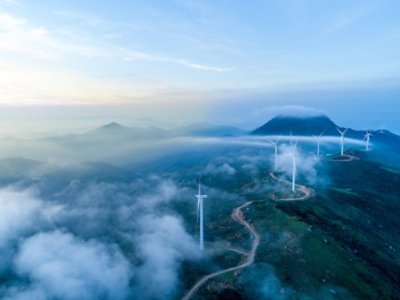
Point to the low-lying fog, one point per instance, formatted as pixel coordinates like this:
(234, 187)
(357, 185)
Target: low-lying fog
(92, 231)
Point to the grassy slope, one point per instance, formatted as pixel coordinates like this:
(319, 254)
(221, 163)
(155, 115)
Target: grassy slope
(347, 234)
(343, 240)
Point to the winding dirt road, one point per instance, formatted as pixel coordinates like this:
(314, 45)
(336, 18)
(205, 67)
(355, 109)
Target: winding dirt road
(345, 158)
(307, 192)
(237, 215)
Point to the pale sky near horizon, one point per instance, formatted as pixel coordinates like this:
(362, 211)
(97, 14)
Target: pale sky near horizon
(75, 64)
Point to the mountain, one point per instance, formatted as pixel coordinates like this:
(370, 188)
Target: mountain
(18, 166)
(388, 142)
(111, 127)
(207, 129)
(306, 126)
(315, 125)
(196, 129)
(113, 131)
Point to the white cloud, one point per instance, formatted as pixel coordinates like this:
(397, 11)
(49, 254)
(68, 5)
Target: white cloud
(47, 261)
(347, 18)
(8, 2)
(64, 267)
(306, 164)
(291, 110)
(162, 245)
(192, 65)
(224, 169)
(39, 68)
(19, 35)
(21, 212)
(202, 67)
(8, 22)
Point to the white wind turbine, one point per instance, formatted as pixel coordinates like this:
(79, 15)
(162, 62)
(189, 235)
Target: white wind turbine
(200, 198)
(381, 128)
(367, 138)
(294, 167)
(275, 144)
(342, 133)
(318, 137)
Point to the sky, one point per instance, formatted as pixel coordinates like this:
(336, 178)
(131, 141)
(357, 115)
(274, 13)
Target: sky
(69, 65)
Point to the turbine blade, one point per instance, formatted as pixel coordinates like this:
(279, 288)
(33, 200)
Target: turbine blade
(199, 187)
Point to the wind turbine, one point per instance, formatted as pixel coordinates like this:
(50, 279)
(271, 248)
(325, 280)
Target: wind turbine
(381, 128)
(367, 138)
(318, 142)
(200, 198)
(294, 167)
(275, 144)
(342, 133)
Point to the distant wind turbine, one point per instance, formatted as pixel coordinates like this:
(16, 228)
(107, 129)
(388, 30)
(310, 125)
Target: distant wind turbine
(294, 167)
(381, 128)
(275, 144)
(318, 137)
(200, 198)
(342, 133)
(367, 138)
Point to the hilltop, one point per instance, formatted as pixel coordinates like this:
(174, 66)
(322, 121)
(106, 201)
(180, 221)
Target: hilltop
(298, 125)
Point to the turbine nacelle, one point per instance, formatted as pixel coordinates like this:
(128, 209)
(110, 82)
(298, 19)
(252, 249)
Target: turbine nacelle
(274, 142)
(368, 135)
(342, 132)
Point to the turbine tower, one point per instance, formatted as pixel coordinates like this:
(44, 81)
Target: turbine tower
(275, 144)
(200, 198)
(294, 167)
(367, 138)
(342, 133)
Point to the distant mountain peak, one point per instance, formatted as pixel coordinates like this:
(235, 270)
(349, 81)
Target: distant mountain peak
(298, 125)
(111, 126)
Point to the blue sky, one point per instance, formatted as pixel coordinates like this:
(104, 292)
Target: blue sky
(181, 61)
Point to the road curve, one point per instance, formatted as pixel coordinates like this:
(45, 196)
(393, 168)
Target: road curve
(307, 192)
(347, 158)
(237, 215)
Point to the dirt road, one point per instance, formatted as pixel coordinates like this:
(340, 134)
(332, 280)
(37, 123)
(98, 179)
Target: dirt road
(237, 215)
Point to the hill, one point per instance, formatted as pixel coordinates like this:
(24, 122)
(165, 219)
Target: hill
(316, 125)
(286, 125)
